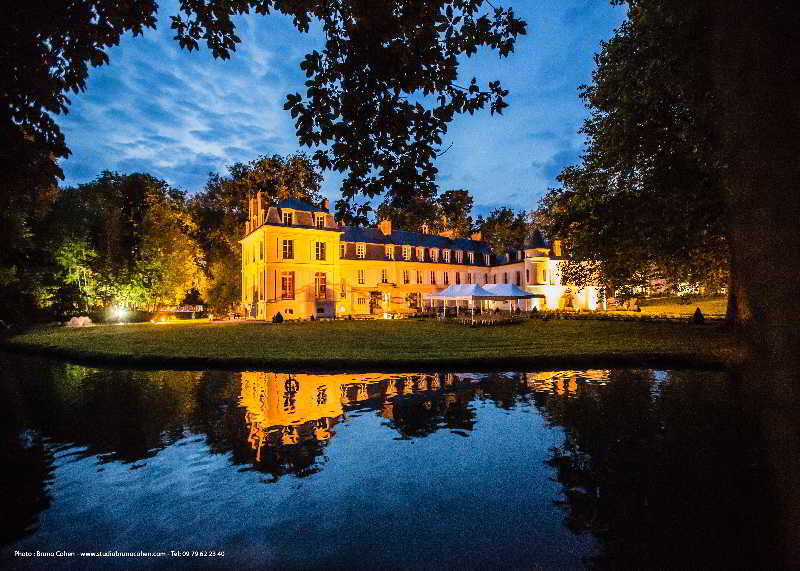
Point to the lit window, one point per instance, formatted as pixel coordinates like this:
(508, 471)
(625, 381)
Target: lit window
(459, 256)
(519, 255)
(471, 256)
(446, 256)
(320, 250)
(361, 250)
(342, 250)
(390, 252)
(320, 221)
(434, 254)
(320, 285)
(406, 278)
(421, 254)
(384, 275)
(419, 277)
(288, 249)
(287, 218)
(446, 278)
(487, 259)
(458, 278)
(433, 277)
(406, 252)
(287, 285)
(361, 276)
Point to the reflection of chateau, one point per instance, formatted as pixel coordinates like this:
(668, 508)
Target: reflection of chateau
(282, 410)
(298, 261)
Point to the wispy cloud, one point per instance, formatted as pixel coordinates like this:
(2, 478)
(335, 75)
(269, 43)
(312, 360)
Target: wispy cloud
(178, 115)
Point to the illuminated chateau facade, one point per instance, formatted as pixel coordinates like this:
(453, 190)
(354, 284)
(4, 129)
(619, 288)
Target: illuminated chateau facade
(297, 261)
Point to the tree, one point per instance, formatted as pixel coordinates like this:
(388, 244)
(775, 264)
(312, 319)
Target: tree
(220, 211)
(504, 228)
(646, 201)
(369, 92)
(448, 212)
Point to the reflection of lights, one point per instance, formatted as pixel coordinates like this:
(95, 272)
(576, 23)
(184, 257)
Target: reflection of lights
(341, 309)
(119, 313)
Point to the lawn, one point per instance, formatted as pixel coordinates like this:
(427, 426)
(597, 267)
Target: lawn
(710, 305)
(388, 344)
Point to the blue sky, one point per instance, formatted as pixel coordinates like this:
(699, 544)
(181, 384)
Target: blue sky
(180, 115)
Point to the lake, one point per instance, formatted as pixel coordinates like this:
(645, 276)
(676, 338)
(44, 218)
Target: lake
(522, 469)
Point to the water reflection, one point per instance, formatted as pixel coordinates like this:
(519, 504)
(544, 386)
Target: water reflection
(652, 469)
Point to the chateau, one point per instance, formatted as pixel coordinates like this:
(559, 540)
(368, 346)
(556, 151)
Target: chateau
(297, 261)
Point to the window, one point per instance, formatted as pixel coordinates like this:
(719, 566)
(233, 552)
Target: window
(343, 289)
(458, 278)
(287, 285)
(471, 257)
(320, 250)
(469, 278)
(361, 250)
(487, 259)
(362, 301)
(446, 278)
(421, 254)
(527, 276)
(494, 279)
(342, 250)
(287, 218)
(320, 285)
(261, 245)
(519, 282)
(434, 254)
(384, 276)
(544, 276)
(288, 249)
(459, 256)
(389, 252)
(406, 252)
(446, 256)
(419, 277)
(361, 276)
(406, 279)
(505, 277)
(433, 277)
(519, 255)
(320, 221)
(486, 278)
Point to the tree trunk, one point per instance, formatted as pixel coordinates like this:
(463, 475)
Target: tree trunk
(755, 74)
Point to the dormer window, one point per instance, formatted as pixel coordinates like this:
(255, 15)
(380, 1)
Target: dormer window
(287, 218)
(487, 258)
(389, 252)
(459, 256)
(519, 255)
(361, 250)
(434, 255)
(421, 254)
(406, 252)
(320, 220)
(446, 256)
(471, 257)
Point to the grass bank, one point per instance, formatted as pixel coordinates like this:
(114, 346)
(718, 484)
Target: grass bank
(388, 345)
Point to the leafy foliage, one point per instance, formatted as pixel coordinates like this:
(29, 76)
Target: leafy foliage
(646, 199)
(504, 228)
(448, 212)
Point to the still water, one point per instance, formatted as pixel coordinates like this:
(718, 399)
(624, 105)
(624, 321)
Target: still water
(552, 469)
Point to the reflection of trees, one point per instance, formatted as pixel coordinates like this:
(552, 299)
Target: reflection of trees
(663, 476)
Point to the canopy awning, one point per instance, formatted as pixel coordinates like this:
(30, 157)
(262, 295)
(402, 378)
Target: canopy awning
(462, 291)
(507, 291)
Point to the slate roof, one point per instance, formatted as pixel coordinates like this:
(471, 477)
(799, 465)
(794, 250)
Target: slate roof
(403, 237)
(297, 204)
(535, 240)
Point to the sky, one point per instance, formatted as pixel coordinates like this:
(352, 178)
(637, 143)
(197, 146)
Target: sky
(180, 115)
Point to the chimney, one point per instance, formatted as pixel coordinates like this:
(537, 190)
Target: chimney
(477, 236)
(385, 226)
(425, 229)
(260, 208)
(325, 205)
(556, 248)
